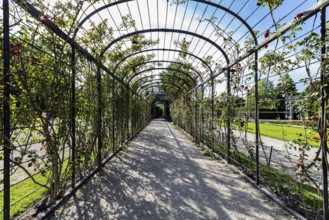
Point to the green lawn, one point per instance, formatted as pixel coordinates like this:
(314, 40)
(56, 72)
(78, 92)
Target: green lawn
(286, 132)
(24, 188)
(28, 189)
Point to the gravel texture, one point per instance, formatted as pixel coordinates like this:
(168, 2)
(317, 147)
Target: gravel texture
(162, 175)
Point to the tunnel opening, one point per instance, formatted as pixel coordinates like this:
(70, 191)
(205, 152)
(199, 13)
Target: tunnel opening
(160, 109)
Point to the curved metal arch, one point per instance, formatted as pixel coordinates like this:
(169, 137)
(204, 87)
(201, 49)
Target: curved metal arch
(168, 61)
(170, 97)
(155, 85)
(180, 86)
(161, 68)
(200, 1)
(95, 12)
(233, 14)
(147, 91)
(166, 30)
(162, 49)
(171, 77)
(184, 85)
(159, 82)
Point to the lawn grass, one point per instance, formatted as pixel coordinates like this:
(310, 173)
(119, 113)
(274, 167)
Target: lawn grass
(286, 132)
(31, 190)
(20, 190)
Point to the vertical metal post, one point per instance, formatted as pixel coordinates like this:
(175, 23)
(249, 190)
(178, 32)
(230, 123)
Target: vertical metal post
(324, 98)
(132, 114)
(113, 116)
(228, 122)
(99, 127)
(256, 117)
(184, 113)
(119, 115)
(202, 115)
(212, 112)
(128, 115)
(73, 114)
(196, 115)
(122, 115)
(135, 113)
(6, 109)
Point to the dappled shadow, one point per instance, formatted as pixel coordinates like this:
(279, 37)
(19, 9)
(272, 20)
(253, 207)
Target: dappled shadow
(162, 176)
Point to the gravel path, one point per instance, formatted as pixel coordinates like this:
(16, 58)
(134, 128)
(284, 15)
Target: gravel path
(162, 175)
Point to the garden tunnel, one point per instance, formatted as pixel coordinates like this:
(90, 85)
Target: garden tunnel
(158, 112)
(82, 78)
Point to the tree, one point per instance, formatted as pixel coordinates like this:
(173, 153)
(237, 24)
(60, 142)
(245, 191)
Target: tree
(266, 93)
(285, 89)
(310, 103)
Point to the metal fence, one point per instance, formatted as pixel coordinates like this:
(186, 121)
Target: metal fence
(64, 115)
(275, 133)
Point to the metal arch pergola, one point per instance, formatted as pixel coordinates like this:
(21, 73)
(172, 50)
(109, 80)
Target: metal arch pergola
(171, 62)
(158, 83)
(182, 32)
(167, 82)
(126, 80)
(161, 68)
(165, 31)
(142, 80)
(162, 49)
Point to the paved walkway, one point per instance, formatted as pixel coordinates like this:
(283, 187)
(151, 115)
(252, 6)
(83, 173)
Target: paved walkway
(162, 175)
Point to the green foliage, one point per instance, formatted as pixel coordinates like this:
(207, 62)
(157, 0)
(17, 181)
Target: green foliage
(182, 81)
(271, 4)
(286, 87)
(275, 60)
(178, 2)
(183, 46)
(266, 94)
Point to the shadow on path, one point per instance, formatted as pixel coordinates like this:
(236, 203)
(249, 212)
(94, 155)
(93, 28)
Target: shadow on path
(163, 175)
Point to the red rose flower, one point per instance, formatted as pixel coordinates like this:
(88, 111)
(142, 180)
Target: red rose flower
(267, 33)
(46, 17)
(299, 15)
